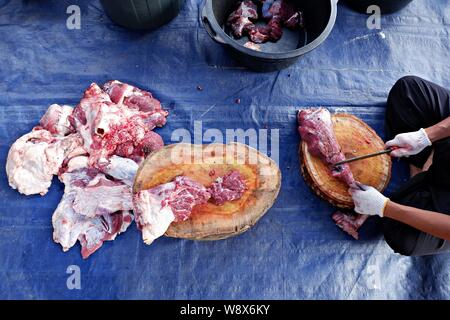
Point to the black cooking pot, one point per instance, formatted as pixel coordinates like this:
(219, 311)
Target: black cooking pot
(142, 14)
(319, 16)
(386, 6)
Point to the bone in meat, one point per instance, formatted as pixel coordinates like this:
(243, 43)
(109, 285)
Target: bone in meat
(70, 226)
(118, 119)
(157, 208)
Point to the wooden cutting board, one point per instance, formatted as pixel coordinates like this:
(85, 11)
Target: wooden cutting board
(356, 138)
(204, 163)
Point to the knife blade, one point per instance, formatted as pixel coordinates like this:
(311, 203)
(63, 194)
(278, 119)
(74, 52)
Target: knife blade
(370, 155)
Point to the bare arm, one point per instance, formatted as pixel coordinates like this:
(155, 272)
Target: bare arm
(434, 223)
(439, 131)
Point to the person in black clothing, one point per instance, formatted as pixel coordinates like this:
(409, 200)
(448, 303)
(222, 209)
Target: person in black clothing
(416, 218)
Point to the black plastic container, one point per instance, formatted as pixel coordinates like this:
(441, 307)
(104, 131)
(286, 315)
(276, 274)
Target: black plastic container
(386, 6)
(319, 16)
(142, 14)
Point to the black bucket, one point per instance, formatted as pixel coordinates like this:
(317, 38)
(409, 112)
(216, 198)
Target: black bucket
(142, 14)
(319, 17)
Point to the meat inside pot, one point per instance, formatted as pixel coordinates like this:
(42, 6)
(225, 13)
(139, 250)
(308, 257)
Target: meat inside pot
(275, 13)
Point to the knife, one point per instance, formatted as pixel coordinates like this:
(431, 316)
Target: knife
(370, 155)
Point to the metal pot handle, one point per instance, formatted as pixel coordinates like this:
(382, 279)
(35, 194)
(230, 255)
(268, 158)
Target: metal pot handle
(209, 29)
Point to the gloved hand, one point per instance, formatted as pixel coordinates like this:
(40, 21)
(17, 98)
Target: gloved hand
(368, 200)
(408, 144)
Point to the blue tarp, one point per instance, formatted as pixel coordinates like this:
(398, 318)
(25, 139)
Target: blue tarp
(295, 251)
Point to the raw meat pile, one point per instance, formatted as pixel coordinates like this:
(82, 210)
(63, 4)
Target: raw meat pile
(316, 129)
(277, 13)
(94, 149)
(157, 208)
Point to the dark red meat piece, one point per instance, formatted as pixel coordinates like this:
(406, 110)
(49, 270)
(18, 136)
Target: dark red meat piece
(230, 187)
(278, 13)
(259, 34)
(187, 194)
(316, 129)
(240, 19)
(349, 222)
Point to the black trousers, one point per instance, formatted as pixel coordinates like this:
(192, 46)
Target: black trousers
(415, 103)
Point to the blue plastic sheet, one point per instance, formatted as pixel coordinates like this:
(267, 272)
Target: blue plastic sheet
(295, 251)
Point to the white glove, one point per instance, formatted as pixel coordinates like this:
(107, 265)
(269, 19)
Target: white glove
(368, 200)
(408, 144)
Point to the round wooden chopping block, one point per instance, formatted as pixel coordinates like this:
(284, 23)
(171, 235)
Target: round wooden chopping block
(356, 138)
(204, 163)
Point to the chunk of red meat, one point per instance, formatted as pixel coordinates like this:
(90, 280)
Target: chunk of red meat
(276, 31)
(110, 226)
(227, 188)
(240, 19)
(151, 142)
(259, 34)
(349, 222)
(132, 97)
(316, 129)
(187, 194)
(118, 119)
(79, 145)
(157, 208)
(56, 120)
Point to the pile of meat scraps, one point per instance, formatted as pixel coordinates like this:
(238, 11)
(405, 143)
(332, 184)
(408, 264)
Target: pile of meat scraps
(276, 14)
(316, 129)
(94, 149)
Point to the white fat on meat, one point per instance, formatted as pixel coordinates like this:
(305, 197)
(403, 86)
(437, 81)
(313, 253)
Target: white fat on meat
(156, 208)
(102, 196)
(56, 119)
(151, 216)
(78, 162)
(35, 157)
(122, 169)
(70, 226)
(117, 119)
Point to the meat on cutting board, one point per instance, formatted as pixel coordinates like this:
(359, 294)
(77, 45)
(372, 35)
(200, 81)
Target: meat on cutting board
(95, 149)
(158, 207)
(316, 129)
(227, 188)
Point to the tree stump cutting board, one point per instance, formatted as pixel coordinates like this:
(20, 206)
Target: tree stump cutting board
(356, 138)
(204, 163)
